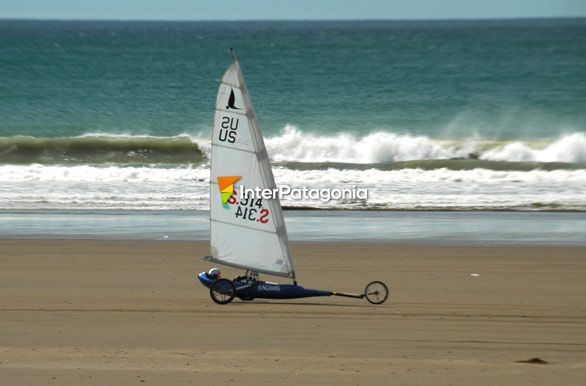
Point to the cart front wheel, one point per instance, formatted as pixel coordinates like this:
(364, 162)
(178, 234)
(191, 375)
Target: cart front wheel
(376, 292)
(222, 291)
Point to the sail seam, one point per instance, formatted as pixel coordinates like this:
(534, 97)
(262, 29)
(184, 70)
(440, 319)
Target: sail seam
(242, 87)
(243, 226)
(232, 112)
(234, 148)
(231, 85)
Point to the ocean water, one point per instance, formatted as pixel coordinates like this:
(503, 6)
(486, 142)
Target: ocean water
(428, 115)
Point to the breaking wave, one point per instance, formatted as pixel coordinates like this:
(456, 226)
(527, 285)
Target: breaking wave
(293, 145)
(297, 149)
(98, 148)
(569, 148)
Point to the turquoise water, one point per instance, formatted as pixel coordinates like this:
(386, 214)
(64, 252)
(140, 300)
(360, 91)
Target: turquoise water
(428, 115)
(443, 79)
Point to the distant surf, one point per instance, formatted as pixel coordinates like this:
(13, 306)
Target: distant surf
(296, 149)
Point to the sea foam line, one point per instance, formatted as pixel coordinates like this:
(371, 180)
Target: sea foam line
(294, 145)
(283, 175)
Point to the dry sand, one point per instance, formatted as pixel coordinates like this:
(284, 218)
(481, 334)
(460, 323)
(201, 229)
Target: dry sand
(131, 312)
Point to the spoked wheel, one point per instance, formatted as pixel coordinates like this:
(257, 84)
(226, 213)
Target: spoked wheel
(376, 292)
(222, 291)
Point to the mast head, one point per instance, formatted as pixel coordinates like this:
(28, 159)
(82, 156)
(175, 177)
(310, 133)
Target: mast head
(233, 53)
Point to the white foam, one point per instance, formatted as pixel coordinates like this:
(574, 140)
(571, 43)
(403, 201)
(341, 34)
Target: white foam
(293, 144)
(99, 134)
(568, 148)
(86, 173)
(186, 188)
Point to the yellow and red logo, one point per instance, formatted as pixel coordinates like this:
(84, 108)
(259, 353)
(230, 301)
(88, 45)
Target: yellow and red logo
(226, 184)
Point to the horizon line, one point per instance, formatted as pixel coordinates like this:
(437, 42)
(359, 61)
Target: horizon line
(292, 20)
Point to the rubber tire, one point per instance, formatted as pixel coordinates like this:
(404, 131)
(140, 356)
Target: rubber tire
(373, 301)
(222, 282)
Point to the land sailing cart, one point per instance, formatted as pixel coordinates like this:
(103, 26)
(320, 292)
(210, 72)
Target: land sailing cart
(250, 233)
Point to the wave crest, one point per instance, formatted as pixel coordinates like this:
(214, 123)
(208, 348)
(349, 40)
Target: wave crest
(294, 145)
(93, 148)
(569, 148)
(381, 149)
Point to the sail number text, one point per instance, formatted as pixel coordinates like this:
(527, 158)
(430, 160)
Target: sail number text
(250, 209)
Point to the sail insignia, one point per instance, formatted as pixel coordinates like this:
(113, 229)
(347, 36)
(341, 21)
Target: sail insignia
(231, 101)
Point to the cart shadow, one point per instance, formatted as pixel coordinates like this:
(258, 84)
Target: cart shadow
(268, 303)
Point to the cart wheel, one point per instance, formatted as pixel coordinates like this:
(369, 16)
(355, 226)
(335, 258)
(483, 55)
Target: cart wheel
(376, 292)
(222, 291)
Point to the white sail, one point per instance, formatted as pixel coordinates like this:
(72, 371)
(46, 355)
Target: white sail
(248, 234)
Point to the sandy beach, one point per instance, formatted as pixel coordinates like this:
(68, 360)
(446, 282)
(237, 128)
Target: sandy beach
(82, 312)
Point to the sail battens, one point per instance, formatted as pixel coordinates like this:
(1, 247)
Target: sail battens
(236, 149)
(247, 234)
(243, 226)
(232, 112)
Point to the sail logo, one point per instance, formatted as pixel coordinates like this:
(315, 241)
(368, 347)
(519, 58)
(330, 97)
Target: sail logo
(226, 185)
(232, 101)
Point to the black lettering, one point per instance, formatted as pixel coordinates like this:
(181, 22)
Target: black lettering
(225, 122)
(252, 214)
(234, 123)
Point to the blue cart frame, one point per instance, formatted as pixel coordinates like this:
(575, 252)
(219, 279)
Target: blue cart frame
(246, 288)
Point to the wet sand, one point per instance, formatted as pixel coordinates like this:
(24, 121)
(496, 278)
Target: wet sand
(131, 312)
